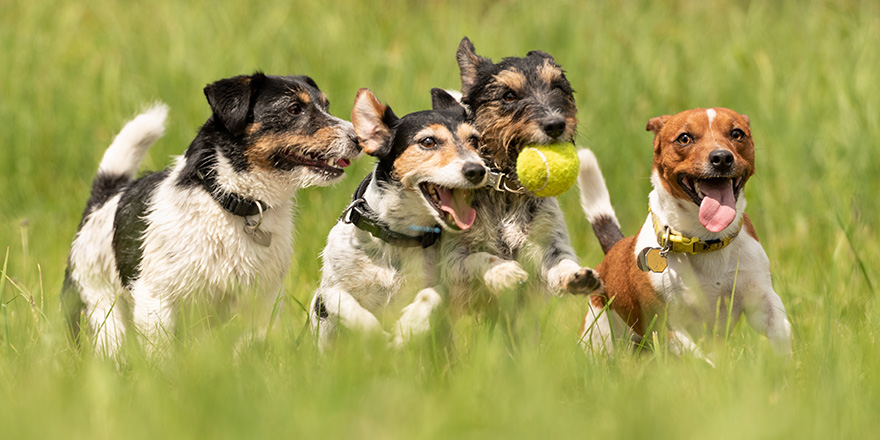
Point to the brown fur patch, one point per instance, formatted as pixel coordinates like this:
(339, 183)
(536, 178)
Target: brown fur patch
(416, 160)
(549, 72)
(634, 298)
(304, 97)
(499, 132)
(260, 150)
(253, 128)
(511, 79)
(750, 228)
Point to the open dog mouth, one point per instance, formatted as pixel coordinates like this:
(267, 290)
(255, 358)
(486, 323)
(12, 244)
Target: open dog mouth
(329, 166)
(452, 204)
(716, 197)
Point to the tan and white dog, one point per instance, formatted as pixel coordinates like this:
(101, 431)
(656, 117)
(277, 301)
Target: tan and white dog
(696, 260)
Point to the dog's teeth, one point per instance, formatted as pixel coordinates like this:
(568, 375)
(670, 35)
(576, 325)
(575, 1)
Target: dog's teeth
(697, 187)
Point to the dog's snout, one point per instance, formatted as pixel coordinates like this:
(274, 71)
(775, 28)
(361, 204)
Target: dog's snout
(554, 127)
(474, 172)
(721, 159)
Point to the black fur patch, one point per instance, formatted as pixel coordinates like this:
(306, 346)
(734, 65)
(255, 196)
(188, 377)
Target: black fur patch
(104, 187)
(130, 223)
(607, 232)
(320, 310)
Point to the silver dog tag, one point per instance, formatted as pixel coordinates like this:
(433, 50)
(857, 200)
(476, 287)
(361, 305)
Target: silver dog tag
(259, 236)
(262, 237)
(651, 259)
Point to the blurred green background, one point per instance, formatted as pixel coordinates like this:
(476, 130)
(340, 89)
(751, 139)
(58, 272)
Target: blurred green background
(805, 72)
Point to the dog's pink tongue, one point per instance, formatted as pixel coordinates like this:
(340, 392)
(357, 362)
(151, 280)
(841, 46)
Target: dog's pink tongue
(456, 203)
(717, 210)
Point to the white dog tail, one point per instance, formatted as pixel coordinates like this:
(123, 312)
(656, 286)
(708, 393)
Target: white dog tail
(125, 154)
(597, 202)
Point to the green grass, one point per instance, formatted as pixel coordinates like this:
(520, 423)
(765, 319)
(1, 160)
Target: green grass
(804, 71)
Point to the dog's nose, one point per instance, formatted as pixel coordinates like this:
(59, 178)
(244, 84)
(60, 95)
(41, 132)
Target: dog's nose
(554, 127)
(474, 172)
(721, 159)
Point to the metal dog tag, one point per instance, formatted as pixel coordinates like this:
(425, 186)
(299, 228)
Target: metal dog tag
(259, 236)
(651, 259)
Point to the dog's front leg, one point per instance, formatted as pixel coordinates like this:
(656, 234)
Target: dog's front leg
(559, 265)
(498, 274)
(766, 314)
(416, 317)
(153, 317)
(681, 344)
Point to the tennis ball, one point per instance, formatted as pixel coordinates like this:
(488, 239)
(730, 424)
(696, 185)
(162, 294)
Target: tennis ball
(547, 170)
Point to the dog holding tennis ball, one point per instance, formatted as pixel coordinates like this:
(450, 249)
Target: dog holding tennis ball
(525, 110)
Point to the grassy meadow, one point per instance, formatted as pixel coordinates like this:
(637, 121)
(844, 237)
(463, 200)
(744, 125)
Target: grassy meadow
(805, 72)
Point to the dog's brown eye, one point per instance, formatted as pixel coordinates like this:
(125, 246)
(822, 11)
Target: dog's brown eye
(684, 139)
(295, 109)
(737, 134)
(428, 143)
(509, 97)
(474, 142)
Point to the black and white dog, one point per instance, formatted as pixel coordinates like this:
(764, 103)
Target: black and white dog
(382, 252)
(217, 221)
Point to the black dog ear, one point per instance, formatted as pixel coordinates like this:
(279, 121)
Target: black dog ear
(468, 63)
(542, 54)
(442, 100)
(230, 99)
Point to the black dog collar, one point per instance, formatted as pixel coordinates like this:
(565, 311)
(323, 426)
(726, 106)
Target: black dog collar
(359, 214)
(231, 202)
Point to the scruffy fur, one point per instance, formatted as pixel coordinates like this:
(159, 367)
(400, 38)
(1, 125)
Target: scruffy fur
(693, 296)
(365, 277)
(514, 103)
(146, 245)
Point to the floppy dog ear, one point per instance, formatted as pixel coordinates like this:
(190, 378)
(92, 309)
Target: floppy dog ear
(468, 61)
(230, 99)
(443, 100)
(657, 123)
(372, 122)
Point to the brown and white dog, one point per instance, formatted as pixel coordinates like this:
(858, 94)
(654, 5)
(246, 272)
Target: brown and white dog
(697, 260)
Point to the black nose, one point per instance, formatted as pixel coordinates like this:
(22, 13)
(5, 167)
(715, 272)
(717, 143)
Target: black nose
(474, 172)
(554, 127)
(721, 159)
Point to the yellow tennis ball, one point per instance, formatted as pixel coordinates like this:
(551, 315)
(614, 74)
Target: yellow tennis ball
(547, 170)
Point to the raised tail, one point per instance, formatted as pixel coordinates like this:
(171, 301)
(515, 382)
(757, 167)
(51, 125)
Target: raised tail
(124, 156)
(597, 202)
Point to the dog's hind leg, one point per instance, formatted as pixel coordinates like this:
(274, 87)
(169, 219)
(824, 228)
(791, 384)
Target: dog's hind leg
(106, 316)
(602, 330)
(332, 308)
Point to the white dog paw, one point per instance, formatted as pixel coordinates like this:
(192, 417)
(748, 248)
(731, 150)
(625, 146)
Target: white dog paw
(505, 275)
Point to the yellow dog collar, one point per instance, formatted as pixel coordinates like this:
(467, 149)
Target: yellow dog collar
(674, 241)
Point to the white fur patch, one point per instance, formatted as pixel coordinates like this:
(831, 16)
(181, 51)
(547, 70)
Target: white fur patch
(125, 154)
